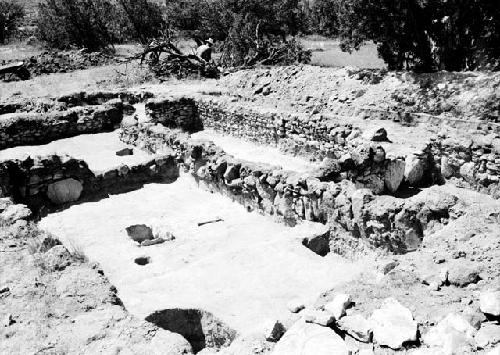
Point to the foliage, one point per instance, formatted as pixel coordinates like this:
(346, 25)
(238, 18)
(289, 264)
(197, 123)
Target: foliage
(423, 35)
(80, 23)
(216, 18)
(145, 19)
(246, 46)
(322, 17)
(11, 13)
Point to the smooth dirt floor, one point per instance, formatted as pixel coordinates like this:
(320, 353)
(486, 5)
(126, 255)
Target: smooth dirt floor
(254, 152)
(244, 269)
(98, 151)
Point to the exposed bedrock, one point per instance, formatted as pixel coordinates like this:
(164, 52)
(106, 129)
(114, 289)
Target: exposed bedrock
(396, 224)
(53, 182)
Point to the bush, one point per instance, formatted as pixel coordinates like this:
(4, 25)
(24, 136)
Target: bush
(11, 13)
(217, 18)
(79, 23)
(145, 19)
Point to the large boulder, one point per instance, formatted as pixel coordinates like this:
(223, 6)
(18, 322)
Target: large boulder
(453, 335)
(394, 174)
(310, 339)
(393, 325)
(64, 191)
(490, 302)
(414, 169)
(489, 334)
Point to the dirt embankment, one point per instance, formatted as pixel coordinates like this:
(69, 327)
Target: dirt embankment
(469, 95)
(53, 302)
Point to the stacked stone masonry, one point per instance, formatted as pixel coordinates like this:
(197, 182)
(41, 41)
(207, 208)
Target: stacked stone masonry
(291, 197)
(33, 180)
(38, 128)
(471, 162)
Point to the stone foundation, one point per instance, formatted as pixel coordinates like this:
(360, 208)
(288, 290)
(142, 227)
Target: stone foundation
(291, 197)
(37, 128)
(175, 113)
(53, 182)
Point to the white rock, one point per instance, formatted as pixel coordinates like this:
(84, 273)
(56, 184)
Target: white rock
(489, 334)
(64, 191)
(414, 169)
(310, 339)
(356, 326)
(452, 334)
(323, 318)
(489, 302)
(393, 324)
(14, 213)
(338, 306)
(295, 305)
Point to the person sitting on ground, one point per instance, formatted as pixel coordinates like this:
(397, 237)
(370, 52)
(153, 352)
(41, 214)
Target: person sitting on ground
(205, 50)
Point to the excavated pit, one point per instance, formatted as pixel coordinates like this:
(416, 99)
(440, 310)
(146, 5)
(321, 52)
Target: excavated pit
(244, 267)
(200, 328)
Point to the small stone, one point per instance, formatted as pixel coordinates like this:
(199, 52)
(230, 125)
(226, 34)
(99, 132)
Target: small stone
(338, 306)
(323, 318)
(376, 135)
(155, 241)
(140, 233)
(489, 302)
(393, 325)
(356, 326)
(295, 306)
(124, 152)
(274, 330)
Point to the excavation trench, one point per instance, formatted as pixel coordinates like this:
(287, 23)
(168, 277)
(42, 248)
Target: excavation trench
(229, 276)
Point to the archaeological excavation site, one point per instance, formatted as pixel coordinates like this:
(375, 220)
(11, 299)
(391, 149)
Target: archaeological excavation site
(289, 210)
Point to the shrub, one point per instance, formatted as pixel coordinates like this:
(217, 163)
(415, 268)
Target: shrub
(145, 18)
(11, 13)
(80, 23)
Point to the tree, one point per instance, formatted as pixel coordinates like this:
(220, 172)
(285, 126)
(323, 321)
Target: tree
(145, 18)
(322, 16)
(424, 35)
(80, 23)
(11, 13)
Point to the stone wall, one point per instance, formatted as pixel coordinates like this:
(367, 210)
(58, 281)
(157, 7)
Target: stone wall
(40, 128)
(52, 182)
(472, 163)
(175, 113)
(383, 221)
